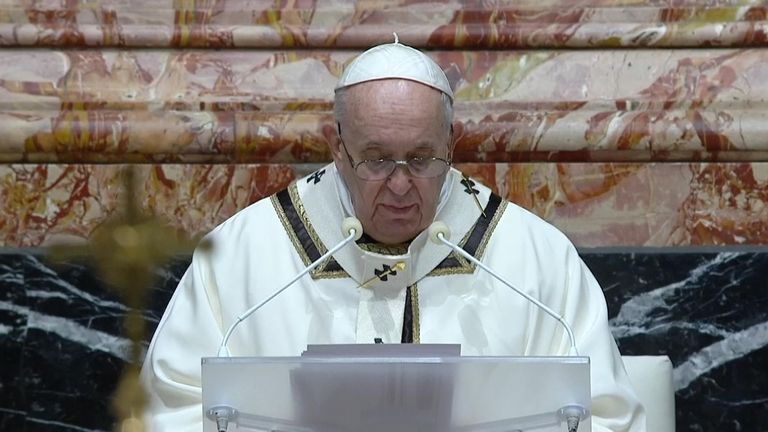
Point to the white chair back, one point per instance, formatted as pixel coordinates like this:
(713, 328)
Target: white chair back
(652, 379)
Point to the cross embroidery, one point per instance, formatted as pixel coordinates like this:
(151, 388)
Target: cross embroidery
(469, 186)
(316, 176)
(384, 272)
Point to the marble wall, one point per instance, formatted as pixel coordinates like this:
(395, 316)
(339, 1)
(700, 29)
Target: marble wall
(274, 106)
(354, 24)
(62, 348)
(597, 204)
(635, 126)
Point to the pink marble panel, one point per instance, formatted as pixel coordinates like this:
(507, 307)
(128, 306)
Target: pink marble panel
(343, 24)
(264, 106)
(595, 204)
(625, 204)
(48, 204)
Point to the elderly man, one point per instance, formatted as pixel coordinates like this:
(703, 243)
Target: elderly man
(391, 170)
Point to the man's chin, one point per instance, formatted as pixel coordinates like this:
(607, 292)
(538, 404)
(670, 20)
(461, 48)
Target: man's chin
(396, 233)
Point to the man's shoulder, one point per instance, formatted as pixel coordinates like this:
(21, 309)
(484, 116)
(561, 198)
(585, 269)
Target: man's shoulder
(514, 216)
(522, 224)
(515, 226)
(257, 216)
(524, 243)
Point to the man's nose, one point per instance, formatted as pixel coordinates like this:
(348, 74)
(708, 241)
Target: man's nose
(399, 182)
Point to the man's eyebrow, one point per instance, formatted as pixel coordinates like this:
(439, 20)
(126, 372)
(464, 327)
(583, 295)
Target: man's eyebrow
(425, 146)
(374, 146)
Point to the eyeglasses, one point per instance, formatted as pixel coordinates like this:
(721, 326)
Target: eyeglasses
(381, 169)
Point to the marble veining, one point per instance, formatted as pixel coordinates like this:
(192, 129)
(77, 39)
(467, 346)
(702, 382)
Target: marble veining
(595, 204)
(62, 349)
(653, 313)
(276, 106)
(313, 24)
(707, 312)
(731, 347)
(73, 332)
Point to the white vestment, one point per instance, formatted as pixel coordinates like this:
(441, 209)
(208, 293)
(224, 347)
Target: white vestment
(265, 245)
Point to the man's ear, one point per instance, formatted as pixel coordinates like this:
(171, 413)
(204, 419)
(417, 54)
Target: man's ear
(331, 134)
(456, 131)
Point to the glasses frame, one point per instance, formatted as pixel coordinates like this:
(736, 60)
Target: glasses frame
(397, 162)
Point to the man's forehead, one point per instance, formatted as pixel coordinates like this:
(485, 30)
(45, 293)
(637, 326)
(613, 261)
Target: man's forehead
(374, 146)
(395, 146)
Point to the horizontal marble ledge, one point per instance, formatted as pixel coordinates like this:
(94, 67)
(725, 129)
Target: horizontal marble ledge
(595, 204)
(243, 106)
(453, 24)
(581, 135)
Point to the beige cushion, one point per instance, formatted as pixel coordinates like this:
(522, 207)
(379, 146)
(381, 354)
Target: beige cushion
(652, 379)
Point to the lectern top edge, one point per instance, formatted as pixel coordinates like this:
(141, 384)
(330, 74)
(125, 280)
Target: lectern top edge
(357, 360)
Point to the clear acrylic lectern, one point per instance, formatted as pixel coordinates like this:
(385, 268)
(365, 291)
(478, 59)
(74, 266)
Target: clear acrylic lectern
(407, 393)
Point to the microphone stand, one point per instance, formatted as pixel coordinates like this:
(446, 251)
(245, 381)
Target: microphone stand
(439, 233)
(351, 226)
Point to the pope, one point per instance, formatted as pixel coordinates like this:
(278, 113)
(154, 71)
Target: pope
(392, 170)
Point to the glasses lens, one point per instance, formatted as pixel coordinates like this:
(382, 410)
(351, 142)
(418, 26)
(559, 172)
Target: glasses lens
(427, 167)
(417, 167)
(375, 169)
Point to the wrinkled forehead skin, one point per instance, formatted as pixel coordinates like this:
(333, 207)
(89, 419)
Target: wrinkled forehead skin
(374, 111)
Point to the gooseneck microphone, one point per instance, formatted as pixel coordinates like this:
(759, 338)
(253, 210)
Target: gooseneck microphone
(440, 233)
(351, 227)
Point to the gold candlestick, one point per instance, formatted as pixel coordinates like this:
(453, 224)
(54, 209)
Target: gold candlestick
(125, 250)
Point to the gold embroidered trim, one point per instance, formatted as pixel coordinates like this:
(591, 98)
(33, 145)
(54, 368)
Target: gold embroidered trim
(379, 248)
(293, 192)
(415, 324)
(288, 228)
(491, 228)
(465, 267)
(319, 272)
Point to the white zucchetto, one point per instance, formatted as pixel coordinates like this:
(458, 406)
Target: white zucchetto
(394, 61)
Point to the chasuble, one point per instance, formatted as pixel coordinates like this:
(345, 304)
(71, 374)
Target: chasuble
(419, 292)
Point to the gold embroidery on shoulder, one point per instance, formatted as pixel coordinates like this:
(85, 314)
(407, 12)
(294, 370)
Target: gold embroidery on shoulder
(491, 228)
(287, 226)
(319, 272)
(466, 267)
(293, 192)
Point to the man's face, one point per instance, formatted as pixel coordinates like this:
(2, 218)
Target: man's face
(393, 119)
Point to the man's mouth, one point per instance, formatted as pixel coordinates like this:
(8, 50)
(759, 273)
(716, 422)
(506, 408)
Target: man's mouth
(398, 209)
